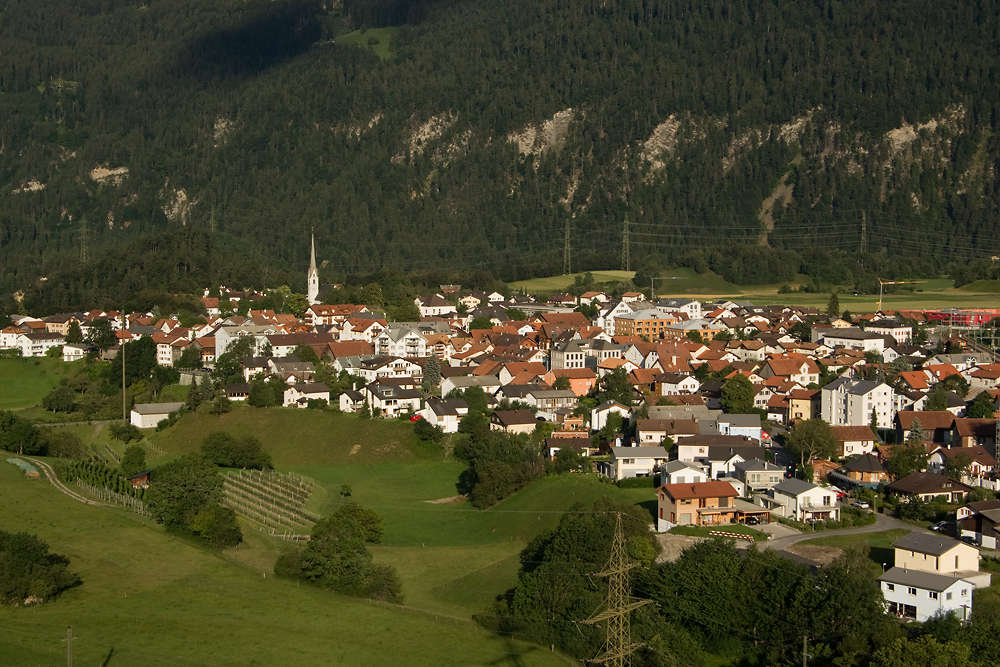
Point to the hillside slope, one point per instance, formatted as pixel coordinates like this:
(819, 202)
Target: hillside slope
(777, 131)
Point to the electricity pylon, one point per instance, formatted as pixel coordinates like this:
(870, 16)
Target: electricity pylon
(626, 255)
(618, 646)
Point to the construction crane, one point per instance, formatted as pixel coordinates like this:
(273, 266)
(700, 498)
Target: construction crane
(883, 283)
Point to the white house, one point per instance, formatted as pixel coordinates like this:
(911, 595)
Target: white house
(920, 596)
(445, 412)
(632, 462)
(401, 341)
(388, 400)
(38, 344)
(299, 395)
(801, 501)
(849, 402)
(76, 351)
(689, 307)
(148, 415)
(599, 415)
(939, 554)
(434, 305)
(682, 472)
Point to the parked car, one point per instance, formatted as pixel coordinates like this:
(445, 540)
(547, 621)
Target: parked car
(939, 526)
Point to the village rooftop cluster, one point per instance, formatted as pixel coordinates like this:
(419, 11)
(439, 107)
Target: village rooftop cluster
(870, 378)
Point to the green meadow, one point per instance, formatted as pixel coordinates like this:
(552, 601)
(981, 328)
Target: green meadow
(153, 597)
(24, 382)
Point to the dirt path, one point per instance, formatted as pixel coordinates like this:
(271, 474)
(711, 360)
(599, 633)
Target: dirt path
(50, 474)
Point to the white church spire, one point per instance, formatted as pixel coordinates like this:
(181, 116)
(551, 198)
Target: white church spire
(312, 280)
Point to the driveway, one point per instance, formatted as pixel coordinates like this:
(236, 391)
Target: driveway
(882, 522)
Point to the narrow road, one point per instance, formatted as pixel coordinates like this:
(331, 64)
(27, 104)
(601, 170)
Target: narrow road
(95, 421)
(882, 522)
(50, 474)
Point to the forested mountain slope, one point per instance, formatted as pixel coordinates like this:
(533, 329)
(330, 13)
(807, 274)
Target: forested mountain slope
(198, 141)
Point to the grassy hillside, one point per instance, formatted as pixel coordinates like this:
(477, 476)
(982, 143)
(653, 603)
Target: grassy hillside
(153, 599)
(302, 437)
(24, 382)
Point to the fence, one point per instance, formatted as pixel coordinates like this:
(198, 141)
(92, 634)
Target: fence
(107, 495)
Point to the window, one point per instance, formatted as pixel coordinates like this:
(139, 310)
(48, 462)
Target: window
(934, 595)
(965, 592)
(911, 591)
(956, 562)
(890, 587)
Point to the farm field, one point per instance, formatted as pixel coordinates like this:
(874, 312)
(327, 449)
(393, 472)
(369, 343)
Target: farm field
(683, 282)
(24, 382)
(152, 598)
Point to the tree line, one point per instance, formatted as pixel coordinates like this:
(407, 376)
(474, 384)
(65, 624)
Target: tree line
(184, 96)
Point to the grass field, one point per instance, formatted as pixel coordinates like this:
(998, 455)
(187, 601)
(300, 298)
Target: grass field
(925, 294)
(24, 382)
(879, 544)
(302, 437)
(382, 47)
(151, 598)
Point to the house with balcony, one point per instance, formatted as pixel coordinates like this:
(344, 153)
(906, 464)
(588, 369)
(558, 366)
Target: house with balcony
(758, 476)
(696, 504)
(800, 501)
(632, 462)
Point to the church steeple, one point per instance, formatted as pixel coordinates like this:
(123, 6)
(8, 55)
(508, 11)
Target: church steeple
(312, 280)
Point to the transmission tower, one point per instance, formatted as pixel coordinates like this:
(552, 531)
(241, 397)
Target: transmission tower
(84, 249)
(618, 646)
(567, 265)
(864, 236)
(626, 259)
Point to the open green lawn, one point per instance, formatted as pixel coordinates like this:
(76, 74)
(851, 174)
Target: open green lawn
(381, 47)
(154, 599)
(879, 544)
(24, 382)
(174, 393)
(296, 437)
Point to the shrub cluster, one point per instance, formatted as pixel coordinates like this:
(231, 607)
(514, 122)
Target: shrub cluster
(29, 573)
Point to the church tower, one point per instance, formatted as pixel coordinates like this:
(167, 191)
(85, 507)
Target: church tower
(312, 280)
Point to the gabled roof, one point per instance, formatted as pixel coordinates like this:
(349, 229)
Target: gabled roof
(794, 487)
(929, 419)
(927, 482)
(931, 544)
(865, 463)
(853, 434)
(713, 489)
(513, 417)
(928, 581)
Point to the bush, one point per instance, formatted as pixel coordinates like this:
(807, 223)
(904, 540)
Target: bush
(428, 431)
(218, 525)
(227, 451)
(124, 431)
(63, 444)
(637, 483)
(29, 573)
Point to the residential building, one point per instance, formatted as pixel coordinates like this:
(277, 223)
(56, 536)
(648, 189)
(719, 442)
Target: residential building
(681, 472)
(920, 596)
(929, 485)
(847, 401)
(513, 421)
(758, 476)
(853, 440)
(933, 552)
(981, 522)
(299, 395)
(391, 400)
(445, 412)
(148, 415)
(632, 462)
(698, 504)
(800, 501)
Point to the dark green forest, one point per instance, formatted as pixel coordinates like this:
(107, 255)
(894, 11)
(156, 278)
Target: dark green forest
(227, 131)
